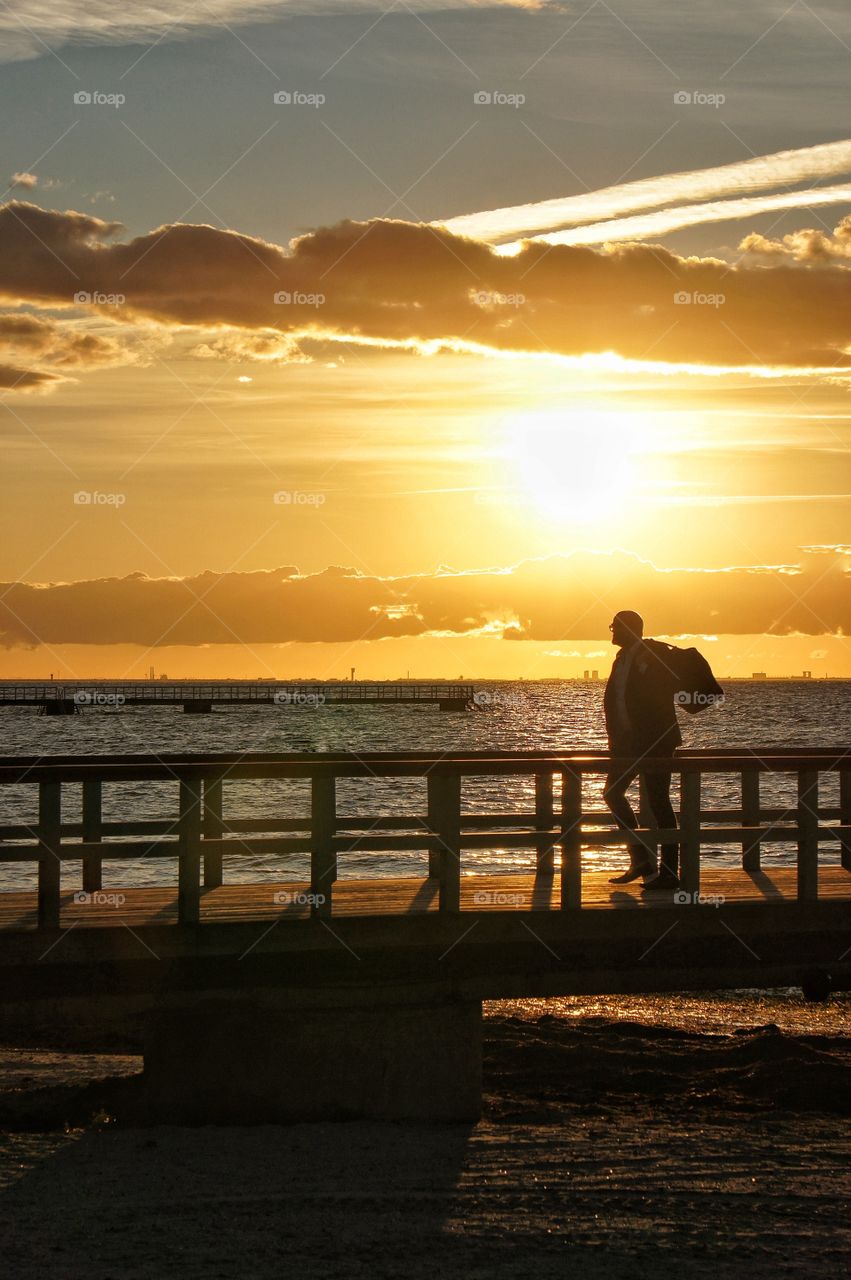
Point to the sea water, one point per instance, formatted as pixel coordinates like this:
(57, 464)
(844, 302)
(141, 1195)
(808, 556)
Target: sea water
(516, 716)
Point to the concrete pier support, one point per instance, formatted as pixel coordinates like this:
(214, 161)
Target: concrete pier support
(233, 1061)
(197, 708)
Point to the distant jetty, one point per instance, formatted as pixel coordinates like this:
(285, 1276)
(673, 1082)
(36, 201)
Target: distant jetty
(57, 698)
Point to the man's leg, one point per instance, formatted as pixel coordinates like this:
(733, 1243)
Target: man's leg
(659, 798)
(614, 794)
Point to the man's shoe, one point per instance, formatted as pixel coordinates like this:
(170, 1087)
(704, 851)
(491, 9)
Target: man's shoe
(646, 867)
(664, 880)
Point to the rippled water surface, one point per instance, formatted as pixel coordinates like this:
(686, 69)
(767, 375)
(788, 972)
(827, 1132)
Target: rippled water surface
(702, 1012)
(517, 716)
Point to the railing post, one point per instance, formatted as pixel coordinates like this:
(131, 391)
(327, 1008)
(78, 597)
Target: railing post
(49, 853)
(845, 815)
(751, 849)
(808, 821)
(571, 839)
(444, 806)
(189, 851)
(323, 828)
(92, 831)
(690, 831)
(544, 818)
(213, 827)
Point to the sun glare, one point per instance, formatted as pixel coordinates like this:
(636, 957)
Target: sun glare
(576, 464)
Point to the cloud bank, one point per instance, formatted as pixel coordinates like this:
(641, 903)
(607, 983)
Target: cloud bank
(397, 284)
(570, 598)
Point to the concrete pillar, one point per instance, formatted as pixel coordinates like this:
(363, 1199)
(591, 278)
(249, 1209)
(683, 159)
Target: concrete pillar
(239, 1061)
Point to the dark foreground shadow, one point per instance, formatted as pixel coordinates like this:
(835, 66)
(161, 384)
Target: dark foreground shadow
(610, 1151)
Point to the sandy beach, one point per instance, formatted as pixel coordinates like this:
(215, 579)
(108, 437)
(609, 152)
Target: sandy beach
(608, 1148)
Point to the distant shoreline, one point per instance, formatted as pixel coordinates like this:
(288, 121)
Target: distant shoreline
(419, 680)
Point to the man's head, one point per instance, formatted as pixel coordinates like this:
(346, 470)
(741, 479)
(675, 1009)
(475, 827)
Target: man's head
(626, 627)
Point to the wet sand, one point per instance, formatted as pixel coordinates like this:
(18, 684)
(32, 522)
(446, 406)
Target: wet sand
(608, 1149)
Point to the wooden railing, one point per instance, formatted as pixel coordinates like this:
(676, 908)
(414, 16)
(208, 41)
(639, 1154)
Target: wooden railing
(199, 835)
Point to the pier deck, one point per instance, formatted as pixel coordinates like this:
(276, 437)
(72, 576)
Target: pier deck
(408, 896)
(339, 996)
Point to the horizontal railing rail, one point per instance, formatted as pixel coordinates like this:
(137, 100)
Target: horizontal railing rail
(199, 836)
(407, 764)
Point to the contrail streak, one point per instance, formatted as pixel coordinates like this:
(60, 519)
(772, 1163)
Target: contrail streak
(661, 221)
(782, 168)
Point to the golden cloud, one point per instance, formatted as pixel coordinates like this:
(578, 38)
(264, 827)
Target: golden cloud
(60, 345)
(808, 245)
(565, 598)
(392, 283)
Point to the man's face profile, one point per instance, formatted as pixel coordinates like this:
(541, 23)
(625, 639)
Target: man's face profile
(626, 627)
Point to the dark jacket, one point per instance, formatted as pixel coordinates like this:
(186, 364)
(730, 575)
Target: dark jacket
(650, 688)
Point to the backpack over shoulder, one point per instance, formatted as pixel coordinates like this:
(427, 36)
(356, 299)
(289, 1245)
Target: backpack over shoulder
(697, 689)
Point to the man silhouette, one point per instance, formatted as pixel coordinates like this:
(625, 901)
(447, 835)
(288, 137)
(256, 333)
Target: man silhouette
(641, 722)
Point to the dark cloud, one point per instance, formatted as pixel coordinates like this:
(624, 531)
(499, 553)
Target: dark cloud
(59, 345)
(393, 282)
(13, 379)
(556, 598)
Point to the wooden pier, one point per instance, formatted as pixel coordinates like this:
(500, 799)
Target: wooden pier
(197, 696)
(337, 976)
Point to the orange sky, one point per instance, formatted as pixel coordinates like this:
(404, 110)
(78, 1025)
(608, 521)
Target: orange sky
(354, 422)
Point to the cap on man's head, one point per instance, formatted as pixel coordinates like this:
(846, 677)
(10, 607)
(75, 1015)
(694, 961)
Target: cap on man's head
(631, 621)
